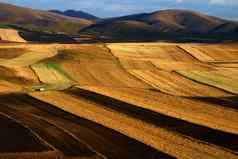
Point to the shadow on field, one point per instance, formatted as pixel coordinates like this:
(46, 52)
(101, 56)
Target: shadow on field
(53, 135)
(229, 102)
(15, 138)
(227, 140)
(104, 140)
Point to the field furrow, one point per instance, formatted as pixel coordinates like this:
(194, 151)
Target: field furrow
(119, 101)
(185, 109)
(223, 79)
(29, 57)
(173, 66)
(96, 137)
(155, 136)
(53, 135)
(16, 138)
(227, 65)
(174, 84)
(139, 52)
(196, 53)
(218, 53)
(104, 73)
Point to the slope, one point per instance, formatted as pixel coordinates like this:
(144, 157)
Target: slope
(38, 20)
(76, 14)
(164, 24)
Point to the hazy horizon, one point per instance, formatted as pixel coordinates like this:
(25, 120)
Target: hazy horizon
(110, 8)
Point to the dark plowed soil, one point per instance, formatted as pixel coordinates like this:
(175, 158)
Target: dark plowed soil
(205, 134)
(16, 138)
(230, 102)
(99, 139)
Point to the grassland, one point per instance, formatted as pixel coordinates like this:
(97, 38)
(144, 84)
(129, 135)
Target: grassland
(119, 101)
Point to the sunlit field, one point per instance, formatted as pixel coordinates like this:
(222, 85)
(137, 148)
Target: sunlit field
(119, 100)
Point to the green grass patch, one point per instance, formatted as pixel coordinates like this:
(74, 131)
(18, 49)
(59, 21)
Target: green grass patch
(52, 76)
(213, 78)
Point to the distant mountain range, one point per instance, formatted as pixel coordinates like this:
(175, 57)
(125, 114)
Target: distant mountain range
(165, 24)
(76, 14)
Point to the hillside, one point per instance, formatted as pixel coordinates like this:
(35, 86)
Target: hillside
(174, 23)
(119, 101)
(76, 14)
(38, 20)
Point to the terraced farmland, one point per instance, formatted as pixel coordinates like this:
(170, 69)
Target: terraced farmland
(118, 101)
(174, 84)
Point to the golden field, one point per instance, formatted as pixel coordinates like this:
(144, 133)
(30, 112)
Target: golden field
(119, 101)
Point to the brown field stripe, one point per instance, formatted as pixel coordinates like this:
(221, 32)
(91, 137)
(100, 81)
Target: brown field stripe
(33, 155)
(188, 53)
(25, 141)
(229, 102)
(122, 67)
(204, 134)
(55, 136)
(98, 137)
(170, 142)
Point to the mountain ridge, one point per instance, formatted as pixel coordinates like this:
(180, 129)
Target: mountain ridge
(172, 22)
(39, 20)
(158, 25)
(76, 14)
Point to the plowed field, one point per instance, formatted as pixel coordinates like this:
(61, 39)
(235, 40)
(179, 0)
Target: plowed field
(119, 101)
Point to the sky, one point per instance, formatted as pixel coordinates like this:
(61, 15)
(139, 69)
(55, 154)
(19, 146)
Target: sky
(110, 8)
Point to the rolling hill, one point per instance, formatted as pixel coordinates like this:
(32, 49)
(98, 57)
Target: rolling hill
(171, 25)
(119, 101)
(164, 24)
(38, 20)
(76, 14)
